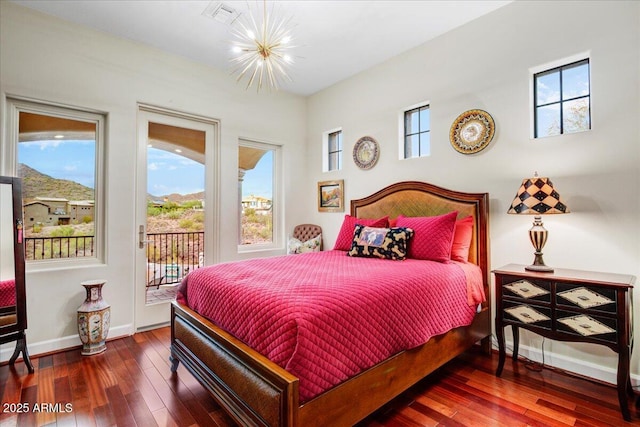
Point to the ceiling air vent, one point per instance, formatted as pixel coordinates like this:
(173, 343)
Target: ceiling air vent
(221, 12)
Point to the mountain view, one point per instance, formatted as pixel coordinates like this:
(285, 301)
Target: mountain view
(36, 184)
(176, 216)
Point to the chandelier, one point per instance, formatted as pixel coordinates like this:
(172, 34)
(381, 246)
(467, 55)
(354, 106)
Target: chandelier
(261, 46)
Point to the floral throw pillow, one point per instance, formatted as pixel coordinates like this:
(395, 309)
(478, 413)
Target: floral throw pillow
(386, 243)
(295, 246)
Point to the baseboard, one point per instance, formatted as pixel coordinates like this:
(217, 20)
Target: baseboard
(51, 346)
(576, 366)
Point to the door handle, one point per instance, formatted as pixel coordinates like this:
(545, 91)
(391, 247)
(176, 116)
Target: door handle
(141, 237)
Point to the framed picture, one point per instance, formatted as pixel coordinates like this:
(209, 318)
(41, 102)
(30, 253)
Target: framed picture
(331, 196)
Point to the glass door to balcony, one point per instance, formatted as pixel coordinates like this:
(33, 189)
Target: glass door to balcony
(172, 195)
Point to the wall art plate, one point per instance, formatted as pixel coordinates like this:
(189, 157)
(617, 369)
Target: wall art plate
(472, 131)
(366, 152)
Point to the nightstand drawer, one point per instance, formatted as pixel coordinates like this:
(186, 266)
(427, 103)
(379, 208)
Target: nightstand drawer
(527, 290)
(587, 326)
(527, 315)
(592, 298)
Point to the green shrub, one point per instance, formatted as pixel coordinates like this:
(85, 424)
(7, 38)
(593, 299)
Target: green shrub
(63, 231)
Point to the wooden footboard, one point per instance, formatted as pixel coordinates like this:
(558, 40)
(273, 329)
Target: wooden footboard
(254, 390)
(257, 392)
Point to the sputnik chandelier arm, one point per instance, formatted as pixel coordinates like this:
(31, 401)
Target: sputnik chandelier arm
(261, 46)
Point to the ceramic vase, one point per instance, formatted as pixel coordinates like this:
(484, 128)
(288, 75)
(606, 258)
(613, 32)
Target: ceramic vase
(93, 319)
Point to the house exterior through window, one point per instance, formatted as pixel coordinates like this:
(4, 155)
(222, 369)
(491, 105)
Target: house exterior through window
(58, 155)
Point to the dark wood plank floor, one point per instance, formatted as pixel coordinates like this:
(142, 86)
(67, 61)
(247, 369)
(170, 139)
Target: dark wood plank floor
(131, 385)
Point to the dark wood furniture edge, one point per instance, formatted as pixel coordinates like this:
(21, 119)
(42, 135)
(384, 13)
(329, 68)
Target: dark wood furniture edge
(194, 338)
(15, 332)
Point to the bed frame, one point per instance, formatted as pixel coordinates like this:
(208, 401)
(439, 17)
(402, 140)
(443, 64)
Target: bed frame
(257, 392)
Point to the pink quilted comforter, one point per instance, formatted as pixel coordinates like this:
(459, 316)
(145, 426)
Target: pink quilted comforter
(325, 316)
(7, 293)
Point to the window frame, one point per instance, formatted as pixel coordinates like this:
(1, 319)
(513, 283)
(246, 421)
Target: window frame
(558, 66)
(277, 241)
(326, 153)
(15, 106)
(403, 130)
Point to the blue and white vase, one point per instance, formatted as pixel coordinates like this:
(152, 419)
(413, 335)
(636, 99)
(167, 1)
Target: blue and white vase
(94, 316)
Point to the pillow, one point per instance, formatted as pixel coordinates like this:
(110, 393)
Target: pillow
(295, 246)
(433, 236)
(345, 236)
(462, 239)
(385, 243)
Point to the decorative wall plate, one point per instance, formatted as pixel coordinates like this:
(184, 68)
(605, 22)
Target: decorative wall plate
(366, 152)
(472, 131)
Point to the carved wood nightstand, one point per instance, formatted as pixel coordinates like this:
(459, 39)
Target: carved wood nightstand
(568, 305)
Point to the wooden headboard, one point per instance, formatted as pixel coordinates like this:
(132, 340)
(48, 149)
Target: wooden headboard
(413, 198)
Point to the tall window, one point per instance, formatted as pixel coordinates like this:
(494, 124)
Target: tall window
(562, 100)
(59, 159)
(332, 150)
(417, 132)
(335, 150)
(258, 192)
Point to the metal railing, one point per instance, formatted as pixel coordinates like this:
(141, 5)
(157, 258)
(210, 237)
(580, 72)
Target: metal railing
(58, 247)
(170, 256)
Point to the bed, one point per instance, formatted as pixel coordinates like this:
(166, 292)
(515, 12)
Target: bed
(255, 390)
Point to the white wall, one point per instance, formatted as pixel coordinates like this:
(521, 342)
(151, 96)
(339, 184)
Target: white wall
(485, 64)
(47, 59)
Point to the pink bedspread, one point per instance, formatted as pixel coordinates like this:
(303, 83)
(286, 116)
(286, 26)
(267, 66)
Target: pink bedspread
(325, 316)
(7, 293)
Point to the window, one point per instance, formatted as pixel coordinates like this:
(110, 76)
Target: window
(562, 100)
(58, 153)
(335, 151)
(417, 132)
(332, 150)
(258, 189)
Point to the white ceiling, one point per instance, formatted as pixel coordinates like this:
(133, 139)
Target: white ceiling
(334, 39)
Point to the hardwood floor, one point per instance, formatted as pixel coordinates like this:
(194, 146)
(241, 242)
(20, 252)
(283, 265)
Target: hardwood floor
(130, 385)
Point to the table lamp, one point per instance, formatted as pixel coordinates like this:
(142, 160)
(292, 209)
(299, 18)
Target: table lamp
(536, 196)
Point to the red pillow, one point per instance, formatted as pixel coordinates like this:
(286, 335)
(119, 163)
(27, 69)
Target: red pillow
(345, 236)
(462, 239)
(433, 236)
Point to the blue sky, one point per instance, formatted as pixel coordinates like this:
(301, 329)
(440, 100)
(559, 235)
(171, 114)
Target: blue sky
(167, 172)
(72, 160)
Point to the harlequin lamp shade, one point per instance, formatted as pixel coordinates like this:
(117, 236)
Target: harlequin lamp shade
(537, 196)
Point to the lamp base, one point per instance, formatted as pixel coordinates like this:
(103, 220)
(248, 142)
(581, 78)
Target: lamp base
(539, 268)
(538, 264)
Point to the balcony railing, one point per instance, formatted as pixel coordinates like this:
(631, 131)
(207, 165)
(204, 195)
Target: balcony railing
(170, 256)
(58, 247)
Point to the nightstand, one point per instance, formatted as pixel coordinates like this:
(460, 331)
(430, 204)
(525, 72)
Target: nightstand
(568, 305)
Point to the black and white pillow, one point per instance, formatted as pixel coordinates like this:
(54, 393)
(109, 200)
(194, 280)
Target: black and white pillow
(386, 243)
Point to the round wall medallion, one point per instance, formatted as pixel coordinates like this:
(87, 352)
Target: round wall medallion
(366, 152)
(472, 131)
